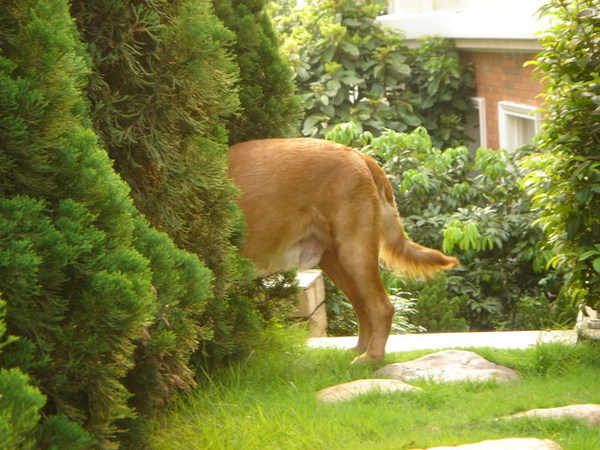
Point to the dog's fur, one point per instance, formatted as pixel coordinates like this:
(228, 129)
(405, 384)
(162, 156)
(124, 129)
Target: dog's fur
(310, 201)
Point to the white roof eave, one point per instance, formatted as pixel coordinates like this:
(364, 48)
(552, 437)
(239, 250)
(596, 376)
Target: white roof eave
(497, 27)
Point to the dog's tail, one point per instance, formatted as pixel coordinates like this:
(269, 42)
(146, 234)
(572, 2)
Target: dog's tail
(399, 253)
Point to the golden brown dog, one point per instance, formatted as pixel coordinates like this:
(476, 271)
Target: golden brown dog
(311, 202)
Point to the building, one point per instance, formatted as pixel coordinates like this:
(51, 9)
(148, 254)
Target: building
(498, 37)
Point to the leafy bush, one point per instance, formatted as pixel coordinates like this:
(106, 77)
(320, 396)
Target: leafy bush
(469, 205)
(443, 87)
(564, 177)
(435, 310)
(351, 68)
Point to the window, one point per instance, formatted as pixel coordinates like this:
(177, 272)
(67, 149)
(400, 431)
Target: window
(476, 125)
(518, 124)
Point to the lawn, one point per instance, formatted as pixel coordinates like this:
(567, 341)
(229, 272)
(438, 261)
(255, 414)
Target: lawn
(267, 401)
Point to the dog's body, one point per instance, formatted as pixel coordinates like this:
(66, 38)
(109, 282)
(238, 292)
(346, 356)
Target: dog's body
(310, 201)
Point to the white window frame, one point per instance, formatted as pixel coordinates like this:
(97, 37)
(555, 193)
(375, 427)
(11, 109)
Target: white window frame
(479, 104)
(508, 110)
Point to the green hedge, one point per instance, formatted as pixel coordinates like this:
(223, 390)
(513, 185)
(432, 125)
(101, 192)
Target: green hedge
(92, 292)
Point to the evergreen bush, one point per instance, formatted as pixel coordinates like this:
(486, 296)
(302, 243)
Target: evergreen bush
(93, 293)
(436, 311)
(163, 85)
(269, 107)
(181, 286)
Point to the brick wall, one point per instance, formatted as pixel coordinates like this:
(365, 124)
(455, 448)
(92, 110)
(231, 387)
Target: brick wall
(502, 77)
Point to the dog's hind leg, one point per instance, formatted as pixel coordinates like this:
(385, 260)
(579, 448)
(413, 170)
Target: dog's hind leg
(380, 310)
(357, 273)
(332, 267)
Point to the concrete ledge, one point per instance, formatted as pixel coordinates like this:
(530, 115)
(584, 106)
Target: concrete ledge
(438, 341)
(311, 301)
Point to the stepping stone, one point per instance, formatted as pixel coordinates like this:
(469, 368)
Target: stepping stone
(589, 413)
(447, 366)
(507, 444)
(348, 391)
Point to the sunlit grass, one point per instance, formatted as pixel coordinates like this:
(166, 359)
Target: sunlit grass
(267, 401)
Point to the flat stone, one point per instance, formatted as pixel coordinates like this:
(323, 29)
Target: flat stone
(589, 413)
(348, 391)
(506, 444)
(447, 366)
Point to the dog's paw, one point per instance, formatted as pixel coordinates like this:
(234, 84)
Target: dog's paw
(365, 358)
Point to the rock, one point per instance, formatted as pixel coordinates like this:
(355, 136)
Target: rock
(589, 413)
(507, 444)
(449, 365)
(347, 391)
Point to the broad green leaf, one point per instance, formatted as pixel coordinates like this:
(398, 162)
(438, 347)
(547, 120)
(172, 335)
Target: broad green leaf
(588, 254)
(350, 48)
(351, 80)
(333, 86)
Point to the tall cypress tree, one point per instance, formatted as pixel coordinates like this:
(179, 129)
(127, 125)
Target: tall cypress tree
(163, 82)
(85, 279)
(269, 106)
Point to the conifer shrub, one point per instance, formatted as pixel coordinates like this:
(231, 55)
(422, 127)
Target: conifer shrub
(436, 309)
(162, 86)
(19, 409)
(269, 107)
(102, 306)
(161, 83)
(181, 286)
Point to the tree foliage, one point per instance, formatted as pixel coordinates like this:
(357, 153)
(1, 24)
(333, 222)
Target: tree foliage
(269, 107)
(351, 68)
(564, 177)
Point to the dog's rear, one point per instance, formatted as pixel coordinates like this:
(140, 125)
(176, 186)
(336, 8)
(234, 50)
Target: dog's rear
(309, 201)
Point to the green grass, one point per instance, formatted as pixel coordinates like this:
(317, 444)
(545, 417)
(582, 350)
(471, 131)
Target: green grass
(268, 401)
